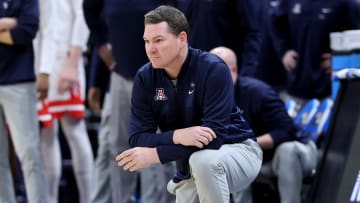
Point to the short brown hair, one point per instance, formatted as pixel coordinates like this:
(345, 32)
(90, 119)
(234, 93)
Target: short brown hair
(174, 17)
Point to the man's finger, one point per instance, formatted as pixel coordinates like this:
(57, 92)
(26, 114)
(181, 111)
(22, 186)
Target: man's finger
(130, 164)
(210, 131)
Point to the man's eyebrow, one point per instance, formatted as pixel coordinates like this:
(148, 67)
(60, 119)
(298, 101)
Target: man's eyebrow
(156, 37)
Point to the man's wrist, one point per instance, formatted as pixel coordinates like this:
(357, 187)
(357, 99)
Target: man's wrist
(156, 158)
(175, 135)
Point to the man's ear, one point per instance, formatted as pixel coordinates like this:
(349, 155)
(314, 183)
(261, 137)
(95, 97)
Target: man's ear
(183, 37)
(234, 69)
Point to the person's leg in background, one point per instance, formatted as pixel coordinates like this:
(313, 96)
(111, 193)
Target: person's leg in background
(19, 106)
(51, 155)
(153, 183)
(123, 183)
(101, 191)
(292, 162)
(81, 154)
(7, 193)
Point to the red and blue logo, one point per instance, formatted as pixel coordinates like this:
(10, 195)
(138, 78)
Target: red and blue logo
(160, 95)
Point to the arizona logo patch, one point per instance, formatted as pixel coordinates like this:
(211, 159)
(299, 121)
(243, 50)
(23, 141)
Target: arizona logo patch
(160, 95)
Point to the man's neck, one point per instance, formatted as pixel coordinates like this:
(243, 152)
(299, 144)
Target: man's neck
(173, 70)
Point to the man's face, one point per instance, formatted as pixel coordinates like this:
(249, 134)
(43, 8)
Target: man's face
(162, 47)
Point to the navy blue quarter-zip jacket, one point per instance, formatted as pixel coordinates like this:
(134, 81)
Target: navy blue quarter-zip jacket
(203, 96)
(264, 110)
(17, 61)
(304, 26)
(230, 23)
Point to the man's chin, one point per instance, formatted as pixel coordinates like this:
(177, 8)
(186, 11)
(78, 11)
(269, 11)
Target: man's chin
(156, 66)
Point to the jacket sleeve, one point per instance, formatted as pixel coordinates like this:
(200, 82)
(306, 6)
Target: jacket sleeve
(80, 31)
(275, 117)
(28, 23)
(99, 74)
(94, 16)
(47, 35)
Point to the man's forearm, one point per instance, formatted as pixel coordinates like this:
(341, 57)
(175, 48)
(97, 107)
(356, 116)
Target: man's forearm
(106, 55)
(75, 53)
(7, 23)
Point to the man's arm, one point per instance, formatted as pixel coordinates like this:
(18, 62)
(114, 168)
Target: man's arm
(79, 37)
(7, 23)
(48, 37)
(275, 118)
(94, 17)
(27, 24)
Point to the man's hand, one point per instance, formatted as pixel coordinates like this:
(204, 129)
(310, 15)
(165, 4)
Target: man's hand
(42, 85)
(69, 77)
(289, 60)
(326, 62)
(8, 23)
(94, 97)
(194, 136)
(106, 55)
(137, 158)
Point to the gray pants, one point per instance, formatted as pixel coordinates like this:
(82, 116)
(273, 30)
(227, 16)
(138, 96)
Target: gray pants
(291, 163)
(217, 173)
(101, 191)
(18, 109)
(123, 183)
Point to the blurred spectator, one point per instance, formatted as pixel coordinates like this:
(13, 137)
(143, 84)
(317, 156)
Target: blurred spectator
(18, 26)
(301, 30)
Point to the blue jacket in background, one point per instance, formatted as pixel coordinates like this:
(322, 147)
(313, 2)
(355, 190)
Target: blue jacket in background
(230, 23)
(270, 68)
(305, 26)
(264, 110)
(203, 96)
(17, 61)
(123, 27)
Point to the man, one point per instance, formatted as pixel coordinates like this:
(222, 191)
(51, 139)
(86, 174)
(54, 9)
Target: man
(181, 92)
(292, 158)
(18, 25)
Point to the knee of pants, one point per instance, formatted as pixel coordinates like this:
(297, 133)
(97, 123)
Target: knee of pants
(286, 150)
(29, 157)
(201, 164)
